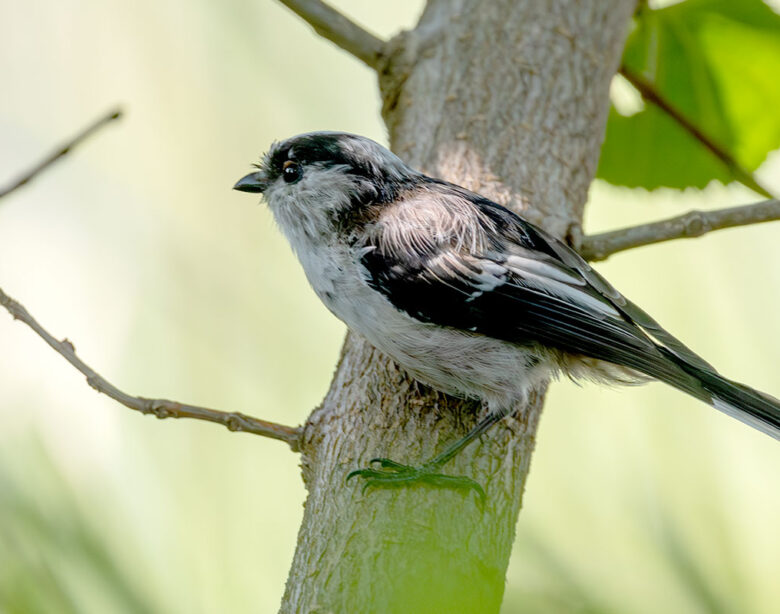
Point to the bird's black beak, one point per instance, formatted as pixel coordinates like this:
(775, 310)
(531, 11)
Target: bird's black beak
(253, 182)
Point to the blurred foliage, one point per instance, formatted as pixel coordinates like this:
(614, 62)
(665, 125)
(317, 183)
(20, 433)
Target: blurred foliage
(169, 284)
(715, 61)
(52, 556)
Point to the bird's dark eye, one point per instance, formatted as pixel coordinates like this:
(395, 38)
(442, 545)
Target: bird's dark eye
(291, 171)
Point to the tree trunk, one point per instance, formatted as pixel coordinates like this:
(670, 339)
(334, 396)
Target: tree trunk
(508, 98)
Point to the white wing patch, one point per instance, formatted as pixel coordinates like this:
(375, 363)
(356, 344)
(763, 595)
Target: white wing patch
(492, 276)
(537, 274)
(522, 265)
(484, 275)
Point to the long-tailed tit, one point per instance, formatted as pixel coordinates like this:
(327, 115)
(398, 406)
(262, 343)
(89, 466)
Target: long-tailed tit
(465, 295)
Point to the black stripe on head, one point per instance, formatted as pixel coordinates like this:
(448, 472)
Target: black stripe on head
(380, 170)
(310, 148)
(377, 175)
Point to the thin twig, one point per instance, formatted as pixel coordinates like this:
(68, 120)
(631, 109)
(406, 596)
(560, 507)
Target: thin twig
(687, 226)
(652, 95)
(338, 29)
(161, 408)
(112, 115)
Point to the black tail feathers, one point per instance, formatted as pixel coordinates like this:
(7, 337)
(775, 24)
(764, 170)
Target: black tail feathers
(750, 406)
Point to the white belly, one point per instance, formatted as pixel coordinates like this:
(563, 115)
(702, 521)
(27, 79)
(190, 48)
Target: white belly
(453, 361)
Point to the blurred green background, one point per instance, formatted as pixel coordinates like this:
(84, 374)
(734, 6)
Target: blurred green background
(172, 285)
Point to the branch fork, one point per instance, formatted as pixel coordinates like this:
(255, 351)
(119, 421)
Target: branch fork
(371, 50)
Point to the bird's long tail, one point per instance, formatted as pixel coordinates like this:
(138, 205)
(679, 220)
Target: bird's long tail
(750, 406)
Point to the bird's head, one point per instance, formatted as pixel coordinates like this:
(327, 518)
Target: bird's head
(315, 181)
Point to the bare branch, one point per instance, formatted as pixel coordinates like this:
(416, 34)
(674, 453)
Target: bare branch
(338, 29)
(64, 150)
(652, 95)
(161, 408)
(687, 226)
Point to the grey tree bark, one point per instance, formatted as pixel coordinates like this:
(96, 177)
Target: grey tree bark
(508, 98)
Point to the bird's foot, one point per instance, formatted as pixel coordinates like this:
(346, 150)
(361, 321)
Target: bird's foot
(393, 474)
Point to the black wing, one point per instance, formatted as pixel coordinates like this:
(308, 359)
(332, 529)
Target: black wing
(525, 286)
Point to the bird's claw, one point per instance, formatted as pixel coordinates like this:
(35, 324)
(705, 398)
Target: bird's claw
(393, 474)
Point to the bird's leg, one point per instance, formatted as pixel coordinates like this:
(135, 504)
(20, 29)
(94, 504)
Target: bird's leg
(391, 473)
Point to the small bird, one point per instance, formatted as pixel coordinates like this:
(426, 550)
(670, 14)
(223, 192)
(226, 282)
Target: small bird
(465, 295)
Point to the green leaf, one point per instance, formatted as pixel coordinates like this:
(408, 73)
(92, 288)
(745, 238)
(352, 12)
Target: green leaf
(718, 63)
